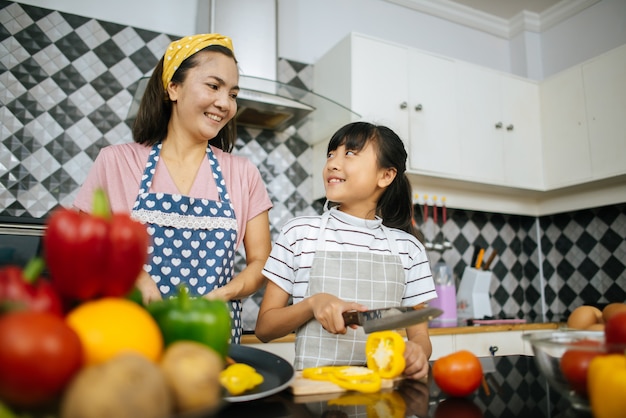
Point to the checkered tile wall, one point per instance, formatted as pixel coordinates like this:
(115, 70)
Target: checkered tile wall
(67, 83)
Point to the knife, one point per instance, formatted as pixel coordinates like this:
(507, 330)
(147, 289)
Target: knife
(390, 318)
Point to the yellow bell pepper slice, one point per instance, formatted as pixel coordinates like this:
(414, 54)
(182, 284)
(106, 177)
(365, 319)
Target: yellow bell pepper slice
(606, 386)
(239, 378)
(358, 378)
(384, 351)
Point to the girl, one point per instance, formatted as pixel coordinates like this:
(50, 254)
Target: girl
(360, 254)
(199, 201)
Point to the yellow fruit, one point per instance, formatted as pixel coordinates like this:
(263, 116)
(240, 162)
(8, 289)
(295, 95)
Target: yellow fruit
(109, 326)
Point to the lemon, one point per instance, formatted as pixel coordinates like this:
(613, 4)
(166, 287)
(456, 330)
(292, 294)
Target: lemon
(110, 326)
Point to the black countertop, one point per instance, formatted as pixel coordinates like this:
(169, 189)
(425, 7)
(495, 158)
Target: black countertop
(514, 388)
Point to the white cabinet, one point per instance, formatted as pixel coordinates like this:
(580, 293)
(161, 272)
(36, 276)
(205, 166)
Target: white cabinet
(564, 130)
(583, 110)
(604, 81)
(432, 112)
(499, 128)
(409, 91)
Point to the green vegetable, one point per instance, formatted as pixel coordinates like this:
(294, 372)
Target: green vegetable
(184, 318)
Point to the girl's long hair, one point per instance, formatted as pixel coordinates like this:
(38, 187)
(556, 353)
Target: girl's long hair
(395, 205)
(155, 108)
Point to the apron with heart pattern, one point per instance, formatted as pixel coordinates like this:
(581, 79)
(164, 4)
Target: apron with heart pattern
(193, 240)
(374, 280)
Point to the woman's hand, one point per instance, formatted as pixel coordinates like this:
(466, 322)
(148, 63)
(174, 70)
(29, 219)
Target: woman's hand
(148, 288)
(328, 310)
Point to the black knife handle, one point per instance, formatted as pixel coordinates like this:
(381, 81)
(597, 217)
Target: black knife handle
(351, 318)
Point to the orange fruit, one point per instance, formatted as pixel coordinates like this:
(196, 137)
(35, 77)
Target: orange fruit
(109, 326)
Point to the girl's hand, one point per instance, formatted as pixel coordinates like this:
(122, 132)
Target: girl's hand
(328, 310)
(416, 361)
(148, 288)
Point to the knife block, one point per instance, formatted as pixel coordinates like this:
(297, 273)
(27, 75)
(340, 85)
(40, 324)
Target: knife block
(473, 299)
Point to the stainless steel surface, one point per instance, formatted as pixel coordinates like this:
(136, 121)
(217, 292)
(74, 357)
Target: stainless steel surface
(391, 318)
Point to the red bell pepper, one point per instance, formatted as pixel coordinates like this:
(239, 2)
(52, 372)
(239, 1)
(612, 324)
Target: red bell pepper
(25, 289)
(94, 255)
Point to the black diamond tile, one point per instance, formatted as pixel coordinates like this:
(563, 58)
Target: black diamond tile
(517, 270)
(36, 13)
(4, 33)
(590, 295)
(93, 149)
(588, 269)
(586, 242)
(583, 217)
(565, 269)
(104, 118)
(296, 174)
(611, 240)
(21, 144)
(68, 79)
(109, 53)
(106, 85)
(29, 73)
(66, 114)
(296, 145)
(144, 59)
(75, 21)
(609, 214)
(614, 268)
(567, 295)
(530, 270)
(63, 148)
(72, 46)
(563, 245)
(548, 269)
(546, 244)
(18, 179)
(32, 39)
(111, 28)
(25, 108)
(146, 35)
(60, 184)
(532, 296)
(616, 293)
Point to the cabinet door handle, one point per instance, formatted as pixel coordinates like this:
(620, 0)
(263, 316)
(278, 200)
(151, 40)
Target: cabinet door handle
(403, 105)
(418, 108)
(510, 127)
(498, 125)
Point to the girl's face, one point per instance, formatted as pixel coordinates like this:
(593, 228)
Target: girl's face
(206, 100)
(354, 179)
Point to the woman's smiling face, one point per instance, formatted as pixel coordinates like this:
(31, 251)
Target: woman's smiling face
(206, 100)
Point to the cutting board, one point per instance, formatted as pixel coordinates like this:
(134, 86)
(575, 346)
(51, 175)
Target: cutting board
(301, 386)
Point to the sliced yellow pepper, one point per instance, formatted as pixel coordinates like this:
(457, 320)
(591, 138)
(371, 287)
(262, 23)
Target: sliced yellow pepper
(384, 351)
(606, 386)
(358, 378)
(239, 377)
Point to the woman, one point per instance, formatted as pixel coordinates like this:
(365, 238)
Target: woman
(198, 201)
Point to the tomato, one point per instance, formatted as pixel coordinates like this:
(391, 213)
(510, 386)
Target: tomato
(458, 374)
(575, 364)
(615, 332)
(39, 354)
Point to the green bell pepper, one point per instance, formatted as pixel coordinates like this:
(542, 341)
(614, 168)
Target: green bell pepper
(183, 318)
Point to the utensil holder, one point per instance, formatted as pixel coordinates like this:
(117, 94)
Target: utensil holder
(473, 299)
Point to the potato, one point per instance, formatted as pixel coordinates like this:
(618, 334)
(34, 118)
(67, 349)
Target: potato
(126, 386)
(192, 372)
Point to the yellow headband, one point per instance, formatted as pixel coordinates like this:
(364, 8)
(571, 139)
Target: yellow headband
(185, 47)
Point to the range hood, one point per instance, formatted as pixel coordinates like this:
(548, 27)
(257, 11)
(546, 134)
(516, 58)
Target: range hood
(263, 102)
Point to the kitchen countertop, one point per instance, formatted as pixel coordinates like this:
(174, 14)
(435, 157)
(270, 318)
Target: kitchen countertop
(453, 330)
(514, 388)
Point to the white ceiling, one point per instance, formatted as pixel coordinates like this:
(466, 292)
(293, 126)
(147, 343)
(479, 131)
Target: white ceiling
(503, 18)
(507, 9)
